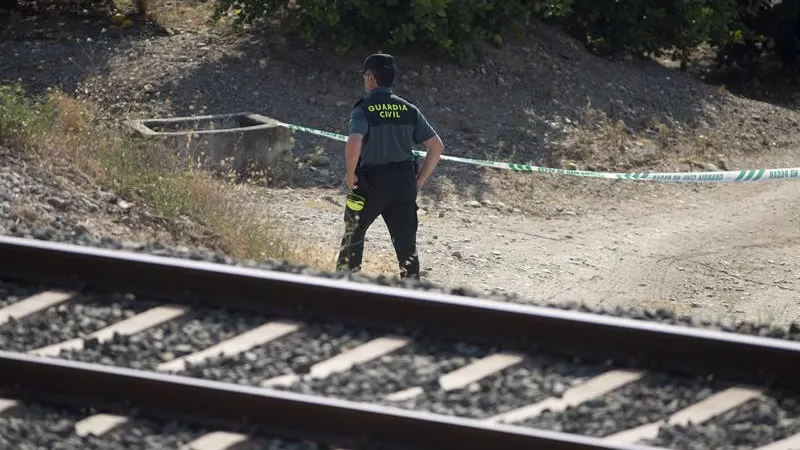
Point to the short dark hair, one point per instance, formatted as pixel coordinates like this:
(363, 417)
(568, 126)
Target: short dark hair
(384, 77)
(382, 68)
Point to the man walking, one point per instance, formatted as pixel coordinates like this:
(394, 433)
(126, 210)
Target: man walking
(381, 171)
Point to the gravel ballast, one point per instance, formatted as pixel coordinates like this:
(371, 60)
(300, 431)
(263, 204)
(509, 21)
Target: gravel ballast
(78, 317)
(144, 434)
(38, 426)
(291, 354)
(419, 363)
(755, 424)
(13, 292)
(650, 399)
(527, 383)
(198, 330)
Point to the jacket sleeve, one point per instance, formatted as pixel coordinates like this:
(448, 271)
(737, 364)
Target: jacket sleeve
(358, 121)
(423, 130)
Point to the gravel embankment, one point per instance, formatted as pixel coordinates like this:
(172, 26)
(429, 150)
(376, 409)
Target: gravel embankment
(39, 426)
(753, 425)
(650, 399)
(291, 354)
(420, 363)
(529, 382)
(76, 318)
(144, 434)
(200, 329)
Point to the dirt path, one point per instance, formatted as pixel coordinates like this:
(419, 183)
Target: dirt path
(729, 254)
(724, 252)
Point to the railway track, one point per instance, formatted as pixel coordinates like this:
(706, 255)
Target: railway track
(355, 366)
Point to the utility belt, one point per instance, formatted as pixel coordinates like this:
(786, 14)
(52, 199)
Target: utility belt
(396, 166)
(364, 173)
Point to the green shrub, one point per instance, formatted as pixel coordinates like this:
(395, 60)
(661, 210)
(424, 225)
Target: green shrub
(743, 31)
(649, 26)
(446, 26)
(20, 116)
(449, 27)
(762, 28)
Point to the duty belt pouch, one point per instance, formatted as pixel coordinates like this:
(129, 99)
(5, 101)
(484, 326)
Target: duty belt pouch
(352, 212)
(355, 202)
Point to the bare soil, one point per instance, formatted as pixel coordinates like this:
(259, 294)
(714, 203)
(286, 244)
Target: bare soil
(721, 251)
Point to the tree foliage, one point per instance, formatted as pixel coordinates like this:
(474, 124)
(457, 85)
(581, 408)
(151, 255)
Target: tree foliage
(649, 26)
(763, 27)
(742, 30)
(444, 26)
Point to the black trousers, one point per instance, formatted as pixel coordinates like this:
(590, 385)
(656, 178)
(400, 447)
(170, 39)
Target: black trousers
(389, 191)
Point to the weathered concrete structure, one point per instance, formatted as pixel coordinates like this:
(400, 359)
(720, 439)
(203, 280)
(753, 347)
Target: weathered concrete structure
(241, 142)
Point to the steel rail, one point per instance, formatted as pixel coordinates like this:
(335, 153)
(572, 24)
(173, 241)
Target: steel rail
(516, 327)
(268, 411)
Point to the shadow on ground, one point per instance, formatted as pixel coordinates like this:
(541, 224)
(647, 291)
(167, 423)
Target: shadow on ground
(59, 49)
(768, 82)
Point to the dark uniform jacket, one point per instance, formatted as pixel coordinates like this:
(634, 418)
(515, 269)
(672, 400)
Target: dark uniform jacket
(390, 125)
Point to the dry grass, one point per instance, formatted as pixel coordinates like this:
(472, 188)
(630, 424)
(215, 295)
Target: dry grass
(605, 144)
(68, 139)
(134, 6)
(189, 16)
(29, 212)
(375, 263)
(183, 17)
(239, 228)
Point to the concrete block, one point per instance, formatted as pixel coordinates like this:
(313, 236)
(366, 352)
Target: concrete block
(242, 142)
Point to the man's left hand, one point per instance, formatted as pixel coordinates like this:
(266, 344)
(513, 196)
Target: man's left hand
(351, 181)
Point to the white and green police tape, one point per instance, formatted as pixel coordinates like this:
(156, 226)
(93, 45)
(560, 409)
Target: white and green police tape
(732, 176)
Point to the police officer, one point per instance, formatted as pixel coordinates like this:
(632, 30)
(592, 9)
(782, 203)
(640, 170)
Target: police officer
(381, 171)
